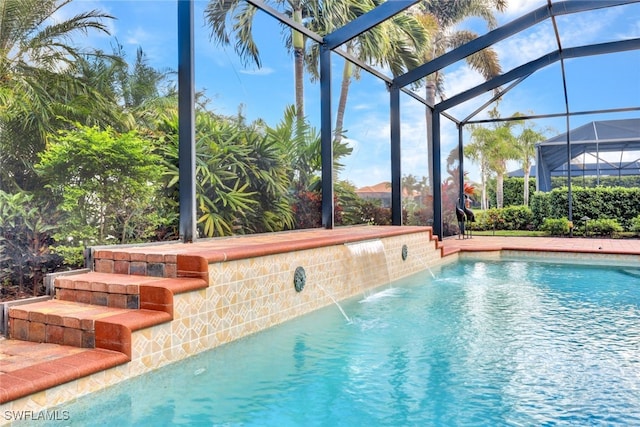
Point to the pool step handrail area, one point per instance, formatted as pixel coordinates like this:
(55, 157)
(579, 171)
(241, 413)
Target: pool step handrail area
(142, 308)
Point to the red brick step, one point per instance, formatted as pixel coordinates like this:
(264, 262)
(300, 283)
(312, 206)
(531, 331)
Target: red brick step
(123, 291)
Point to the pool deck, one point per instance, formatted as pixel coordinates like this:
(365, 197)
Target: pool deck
(47, 361)
(542, 244)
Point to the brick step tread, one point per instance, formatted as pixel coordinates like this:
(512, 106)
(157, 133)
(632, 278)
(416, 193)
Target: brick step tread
(125, 283)
(64, 313)
(81, 325)
(82, 316)
(70, 364)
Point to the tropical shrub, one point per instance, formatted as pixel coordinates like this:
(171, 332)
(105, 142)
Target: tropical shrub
(517, 218)
(372, 213)
(556, 226)
(25, 239)
(603, 227)
(105, 183)
(491, 219)
(635, 225)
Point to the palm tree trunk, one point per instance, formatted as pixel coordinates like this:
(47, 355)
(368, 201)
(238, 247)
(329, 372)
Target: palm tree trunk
(499, 190)
(298, 49)
(431, 99)
(484, 204)
(342, 103)
(525, 194)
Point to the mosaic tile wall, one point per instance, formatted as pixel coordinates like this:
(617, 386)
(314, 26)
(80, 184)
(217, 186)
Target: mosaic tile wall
(559, 257)
(249, 295)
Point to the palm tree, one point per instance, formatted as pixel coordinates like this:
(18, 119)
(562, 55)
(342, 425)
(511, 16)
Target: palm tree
(395, 44)
(474, 151)
(38, 85)
(440, 18)
(231, 22)
(526, 148)
(494, 147)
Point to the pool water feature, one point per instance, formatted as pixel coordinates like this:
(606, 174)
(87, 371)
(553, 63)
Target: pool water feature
(368, 262)
(484, 343)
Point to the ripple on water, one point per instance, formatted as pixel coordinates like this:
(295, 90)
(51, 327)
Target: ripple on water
(485, 343)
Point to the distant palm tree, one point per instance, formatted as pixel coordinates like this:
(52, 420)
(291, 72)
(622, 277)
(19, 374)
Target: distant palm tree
(526, 148)
(494, 147)
(441, 17)
(38, 86)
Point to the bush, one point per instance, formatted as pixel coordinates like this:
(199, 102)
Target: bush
(620, 203)
(106, 183)
(556, 226)
(604, 227)
(517, 218)
(635, 225)
(25, 243)
(491, 219)
(509, 218)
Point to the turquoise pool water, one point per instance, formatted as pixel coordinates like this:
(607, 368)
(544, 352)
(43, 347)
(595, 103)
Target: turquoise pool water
(482, 344)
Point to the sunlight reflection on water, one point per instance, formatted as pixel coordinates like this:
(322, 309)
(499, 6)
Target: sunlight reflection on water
(484, 343)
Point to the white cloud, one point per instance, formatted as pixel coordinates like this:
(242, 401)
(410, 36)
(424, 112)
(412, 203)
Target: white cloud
(138, 36)
(519, 7)
(460, 80)
(264, 71)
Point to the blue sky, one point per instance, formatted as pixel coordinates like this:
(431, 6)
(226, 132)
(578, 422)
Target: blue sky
(594, 83)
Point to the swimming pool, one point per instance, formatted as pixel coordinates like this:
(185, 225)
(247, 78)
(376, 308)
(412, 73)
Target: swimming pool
(481, 343)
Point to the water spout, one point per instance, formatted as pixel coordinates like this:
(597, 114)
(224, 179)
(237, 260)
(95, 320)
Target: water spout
(368, 263)
(424, 264)
(335, 302)
(432, 275)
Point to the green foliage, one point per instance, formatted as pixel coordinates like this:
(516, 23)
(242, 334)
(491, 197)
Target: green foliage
(509, 218)
(73, 255)
(491, 219)
(622, 204)
(373, 214)
(105, 183)
(635, 225)
(513, 191)
(25, 239)
(517, 217)
(242, 175)
(39, 58)
(556, 226)
(604, 227)
(540, 208)
(347, 206)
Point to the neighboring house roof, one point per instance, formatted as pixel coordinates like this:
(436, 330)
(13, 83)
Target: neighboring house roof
(382, 187)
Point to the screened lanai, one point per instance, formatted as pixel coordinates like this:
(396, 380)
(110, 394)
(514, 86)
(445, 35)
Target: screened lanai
(476, 98)
(606, 147)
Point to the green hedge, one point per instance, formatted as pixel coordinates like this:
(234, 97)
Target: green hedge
(556, 226)
(619, 203)
(603, 227)
(513, 187)
(635, 225)
(509, 218)
(513, 191)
